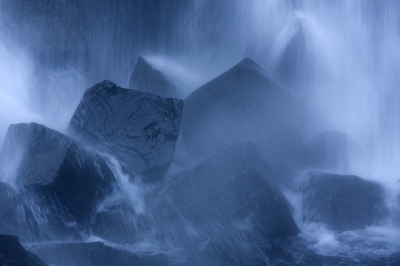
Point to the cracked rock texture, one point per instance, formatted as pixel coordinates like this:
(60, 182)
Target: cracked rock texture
(344, 202)
(147, 78)
(140, 129)
(224, 204)
(57, 167)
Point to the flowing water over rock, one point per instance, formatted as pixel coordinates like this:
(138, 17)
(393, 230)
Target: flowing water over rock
(288, 151)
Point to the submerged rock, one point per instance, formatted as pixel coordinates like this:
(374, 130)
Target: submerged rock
(12, 253)
(223, 207)
(298, 251)
(57, 167)
(147, 78)
(243, 103)
(344, 202)
(93, 254)
(140, 129)
(28, 216)
(296, 62)
(333, 150)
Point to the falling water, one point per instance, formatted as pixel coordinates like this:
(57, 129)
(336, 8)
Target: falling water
(340, 60)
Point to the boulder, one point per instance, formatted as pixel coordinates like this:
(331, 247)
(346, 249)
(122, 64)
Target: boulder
(28, 216)
(344, 202)
(297, 251)
(244, 103)
(333, 150)
(57, 167)
(116, 219)
(296, 63)
(140, 129)
(148, 78)
(12, 253)
(93, 254)
(224, 207)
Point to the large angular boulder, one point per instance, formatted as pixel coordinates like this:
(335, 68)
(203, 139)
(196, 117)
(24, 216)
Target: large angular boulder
(57, 167)
(31, 217)
(148, 78)
(295, 62)
(244, 103)
(12, 253)
(344, 202)
(224, 207)
(93, 254)
(140, 129)
(297, 251)
(333, 150)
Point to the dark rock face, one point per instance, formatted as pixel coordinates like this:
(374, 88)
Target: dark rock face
(344, 202)
(140, 129)
(31, 217)
(332, 150)
(93, 254)
(243, 103)
(147, 78)
(58, 168)
(225, 206)
(296, 63)
(13, 254)
(296, 251)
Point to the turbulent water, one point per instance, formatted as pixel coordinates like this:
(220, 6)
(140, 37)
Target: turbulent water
(339, 59)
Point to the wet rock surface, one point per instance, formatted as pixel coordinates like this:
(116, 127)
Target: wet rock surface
(12, 253)
(228, 205)
(57, 168)
(244, 103)
(93, 254)
(333, 150)
(294, 251)
(140, 129)
(148, 78)
(344, 202)
(18, 211)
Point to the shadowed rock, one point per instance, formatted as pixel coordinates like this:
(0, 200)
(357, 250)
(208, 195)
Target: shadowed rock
(333, 150)
(25, 215)
(12, 253)
(140, 129)
(296, 62)
(243, 103)
(57, 167)
(226, 205)
(93, 254)
(344, 202)
(147, 78)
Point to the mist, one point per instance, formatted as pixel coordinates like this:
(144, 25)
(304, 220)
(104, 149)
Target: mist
(332, 109)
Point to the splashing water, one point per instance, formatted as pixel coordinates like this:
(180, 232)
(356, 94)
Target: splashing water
(339, 59)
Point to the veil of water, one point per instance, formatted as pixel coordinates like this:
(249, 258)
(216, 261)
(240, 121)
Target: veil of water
(340, 60)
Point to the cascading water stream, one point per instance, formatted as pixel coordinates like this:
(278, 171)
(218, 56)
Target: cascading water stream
(339, 60)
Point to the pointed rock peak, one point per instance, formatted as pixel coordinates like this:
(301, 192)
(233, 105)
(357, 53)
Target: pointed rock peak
(103, 87)
(243, 149)
(141, 62)
(148, 78)
(251, 65)
(107, 84)
(247, 62)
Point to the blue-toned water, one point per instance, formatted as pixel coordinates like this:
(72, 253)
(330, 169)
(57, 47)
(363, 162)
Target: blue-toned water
(340, 60)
